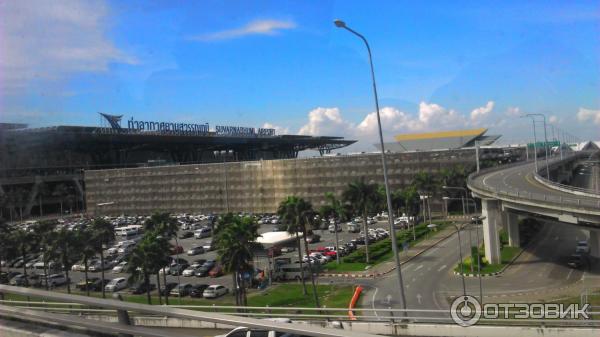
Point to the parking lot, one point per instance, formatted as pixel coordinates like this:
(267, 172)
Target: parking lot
(261, 261)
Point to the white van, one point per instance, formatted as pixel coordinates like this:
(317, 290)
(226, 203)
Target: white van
(126, 231)
(291, 272)
(202, 233)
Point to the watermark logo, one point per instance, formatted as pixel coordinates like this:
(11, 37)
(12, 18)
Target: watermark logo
(467, 311)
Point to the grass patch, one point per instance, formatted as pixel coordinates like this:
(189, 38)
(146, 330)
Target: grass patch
(381, 251)
(507, 254)
(281, 295)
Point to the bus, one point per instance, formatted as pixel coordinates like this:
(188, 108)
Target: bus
(291, 272)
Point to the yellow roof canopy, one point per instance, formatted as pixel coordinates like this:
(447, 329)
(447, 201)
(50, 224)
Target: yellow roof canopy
(440, 134)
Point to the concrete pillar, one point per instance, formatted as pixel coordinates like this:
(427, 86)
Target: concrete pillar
(490, 209)
(594, 243)
(512, 224)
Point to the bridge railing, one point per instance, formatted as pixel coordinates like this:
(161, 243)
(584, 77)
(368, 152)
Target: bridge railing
(586, 204)
(538, 175)
(86, 311)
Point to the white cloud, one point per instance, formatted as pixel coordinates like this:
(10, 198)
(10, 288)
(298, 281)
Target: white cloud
(278, 129)
(584, 115)
(257, 27)
(513, 111)
(326, 121)
(553, 119)
(49, 40)
(480, 113)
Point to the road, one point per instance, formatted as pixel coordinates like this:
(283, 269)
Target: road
(430, 282)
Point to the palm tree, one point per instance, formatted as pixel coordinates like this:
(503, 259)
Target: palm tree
(425, 182)
(334, 209)
(89, 247)
(24, 241)
(167, 226)
(44, 237)
(104, 233)
(235, 248)
(300, 214)
(8, 249)
(362, 197)
(286, 212)
(67, 247)
(146, 258)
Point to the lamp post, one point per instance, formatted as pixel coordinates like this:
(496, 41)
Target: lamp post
(341, 24)
(534, 143)
(462, 271)
(545, 140)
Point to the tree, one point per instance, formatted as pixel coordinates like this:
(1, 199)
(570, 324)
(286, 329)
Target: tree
(235, 243)
(44, 237)
(363, 197)
(24, 241)
(167, 226)
(89, 247)
(147, 258)
(287, 215)
(104, 234)
(67, 247)
(334, 209)
(425, 182)
(299, 214)
(8, 249)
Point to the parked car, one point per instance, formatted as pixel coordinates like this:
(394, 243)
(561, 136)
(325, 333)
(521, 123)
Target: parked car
(202, 233)
(141, 288)
(177, 269)
(166, 289)
(120, 267)
(313, 238)
(195, 250)
(56, 280)
(216, 271)
(116, 284)
(214, 291)
(181, 290)
(19, 280)
(287, 249)
(197, 290)
(205, 269)
(186, 235)
(190, 271)
(334, 227)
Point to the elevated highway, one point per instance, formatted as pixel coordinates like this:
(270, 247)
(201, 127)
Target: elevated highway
(510, 191)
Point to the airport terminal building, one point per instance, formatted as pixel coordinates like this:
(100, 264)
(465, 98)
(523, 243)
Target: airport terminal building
(151, 166)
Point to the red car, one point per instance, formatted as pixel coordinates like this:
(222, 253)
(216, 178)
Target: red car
(325, 251)
(216, 271)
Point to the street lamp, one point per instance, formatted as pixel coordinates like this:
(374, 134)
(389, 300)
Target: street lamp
(534, 144)
(545, 140)
(341, 24)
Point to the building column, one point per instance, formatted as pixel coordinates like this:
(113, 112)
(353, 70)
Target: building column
(594, 243)
(512, 225)
(490, 209)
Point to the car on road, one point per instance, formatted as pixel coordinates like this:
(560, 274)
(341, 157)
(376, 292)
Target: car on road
(582, 247)
(116, 284)
(576, 261)
(198, 290)
(181, 290)
(214, 291)
(195, 250)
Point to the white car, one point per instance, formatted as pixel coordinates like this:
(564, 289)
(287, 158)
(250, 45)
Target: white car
(332, 228)
(214, 291)
(190, 271)
(202, 233)
(119, 268)
(116, 284)
(287, 249)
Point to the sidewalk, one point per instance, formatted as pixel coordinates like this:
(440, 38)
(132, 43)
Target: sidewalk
(405, 256)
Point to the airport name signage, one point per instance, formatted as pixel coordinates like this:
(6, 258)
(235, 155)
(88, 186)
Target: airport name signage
(222, 130)
(191, 128)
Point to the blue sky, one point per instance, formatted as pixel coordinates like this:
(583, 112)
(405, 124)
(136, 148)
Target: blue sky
(440, 65)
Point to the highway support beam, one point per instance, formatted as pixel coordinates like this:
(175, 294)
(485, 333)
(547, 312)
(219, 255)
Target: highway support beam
(490, 210)
(512, 224)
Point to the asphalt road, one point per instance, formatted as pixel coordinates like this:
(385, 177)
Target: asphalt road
(518, 180)
(430, 283)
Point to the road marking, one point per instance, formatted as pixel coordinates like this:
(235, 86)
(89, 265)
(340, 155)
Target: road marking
(442, 268)
(373, 302)
(419, 267)
(569, 274)
(419, 298)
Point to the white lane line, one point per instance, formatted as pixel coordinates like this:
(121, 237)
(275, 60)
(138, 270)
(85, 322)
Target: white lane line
(569, 274)
(375, 294)
(419, 267)
(442, 268)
